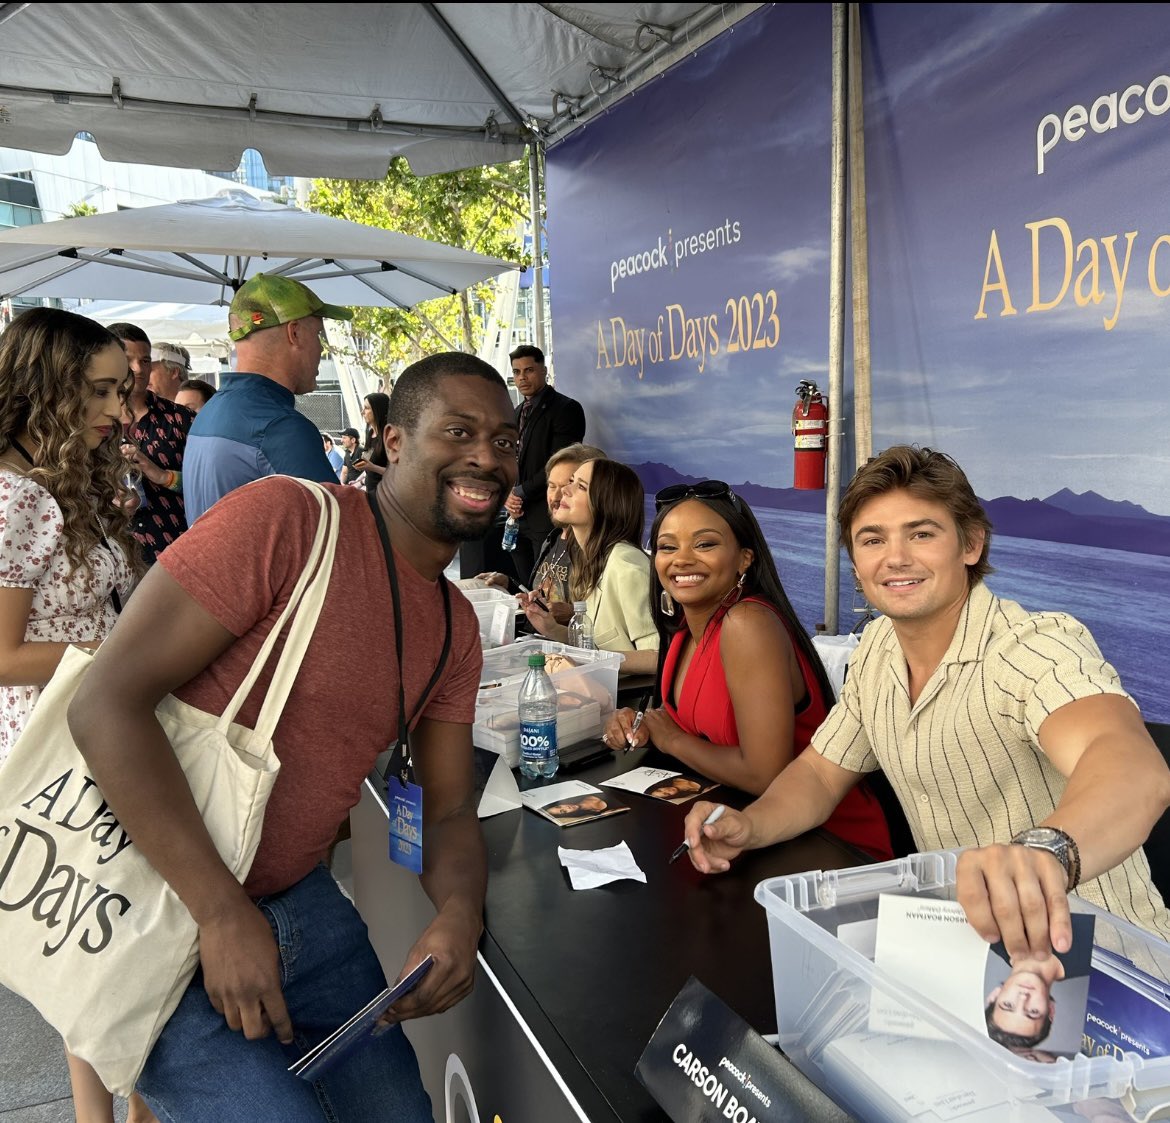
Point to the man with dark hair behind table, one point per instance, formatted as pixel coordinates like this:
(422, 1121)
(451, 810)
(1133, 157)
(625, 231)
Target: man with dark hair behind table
(1000, 730)
(285, 957)
(547, 421)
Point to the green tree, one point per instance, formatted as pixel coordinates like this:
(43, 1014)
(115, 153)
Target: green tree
(80, 210)
(481, 209)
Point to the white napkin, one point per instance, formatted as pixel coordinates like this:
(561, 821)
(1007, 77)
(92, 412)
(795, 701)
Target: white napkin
(590, 868)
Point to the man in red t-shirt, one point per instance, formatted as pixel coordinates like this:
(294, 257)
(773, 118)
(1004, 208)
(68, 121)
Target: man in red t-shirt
(451, 442)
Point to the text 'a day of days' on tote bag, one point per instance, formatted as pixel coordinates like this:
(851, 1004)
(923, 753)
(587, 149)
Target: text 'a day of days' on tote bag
(91, 934)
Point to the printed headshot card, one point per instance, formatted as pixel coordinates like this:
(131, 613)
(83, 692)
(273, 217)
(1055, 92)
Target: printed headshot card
(661, 783)
(1034, 1007)
(571, 802)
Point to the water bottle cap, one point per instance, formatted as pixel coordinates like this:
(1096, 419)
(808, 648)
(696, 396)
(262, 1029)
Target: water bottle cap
(579, 605)
(536, 660)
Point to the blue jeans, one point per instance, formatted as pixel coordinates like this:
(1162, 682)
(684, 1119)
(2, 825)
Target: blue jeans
(200, 1070)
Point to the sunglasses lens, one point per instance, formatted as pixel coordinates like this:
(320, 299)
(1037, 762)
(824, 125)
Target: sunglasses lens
(708, 489)
(670, 494)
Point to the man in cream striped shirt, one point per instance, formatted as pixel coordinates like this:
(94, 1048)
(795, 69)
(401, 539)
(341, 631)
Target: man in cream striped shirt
(1000, 730)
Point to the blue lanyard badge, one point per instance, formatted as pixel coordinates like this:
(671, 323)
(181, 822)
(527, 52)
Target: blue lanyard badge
(405, 805)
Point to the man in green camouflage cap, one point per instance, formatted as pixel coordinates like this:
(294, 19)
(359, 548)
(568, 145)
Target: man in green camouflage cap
(269, 301)
(251, 427)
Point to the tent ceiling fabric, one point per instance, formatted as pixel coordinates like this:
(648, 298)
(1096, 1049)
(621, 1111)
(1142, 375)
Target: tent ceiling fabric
(333, 90)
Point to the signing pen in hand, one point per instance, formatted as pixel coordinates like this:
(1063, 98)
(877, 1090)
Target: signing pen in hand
(637, 722)
(714, 817)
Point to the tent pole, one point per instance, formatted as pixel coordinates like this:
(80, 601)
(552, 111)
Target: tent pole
(537, 243)
(859, 247)
(837, 220)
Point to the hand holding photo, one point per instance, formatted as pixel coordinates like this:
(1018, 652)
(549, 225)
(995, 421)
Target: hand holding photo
(1034, 1007)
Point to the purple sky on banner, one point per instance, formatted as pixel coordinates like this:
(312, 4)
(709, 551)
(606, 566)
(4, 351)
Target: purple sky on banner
(1068, 396)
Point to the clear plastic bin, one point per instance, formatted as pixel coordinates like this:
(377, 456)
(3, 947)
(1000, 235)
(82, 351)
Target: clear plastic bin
(823, 994)
(496, 611)
(498, 729)
(586, 694)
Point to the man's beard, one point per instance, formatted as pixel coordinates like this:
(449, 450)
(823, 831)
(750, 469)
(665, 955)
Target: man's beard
(453, 527)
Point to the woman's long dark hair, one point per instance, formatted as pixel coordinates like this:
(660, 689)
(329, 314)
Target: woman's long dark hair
(762, 580)
(619, 515)
(374, 448)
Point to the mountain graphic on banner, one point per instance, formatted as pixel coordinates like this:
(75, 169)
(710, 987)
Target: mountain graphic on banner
(1086, 519)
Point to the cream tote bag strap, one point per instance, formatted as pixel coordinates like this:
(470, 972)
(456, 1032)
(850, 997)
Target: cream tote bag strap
(304, 607)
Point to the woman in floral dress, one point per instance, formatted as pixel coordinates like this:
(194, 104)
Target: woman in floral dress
(66, 557)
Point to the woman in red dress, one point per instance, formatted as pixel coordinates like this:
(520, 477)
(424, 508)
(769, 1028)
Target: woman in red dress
(740, 687)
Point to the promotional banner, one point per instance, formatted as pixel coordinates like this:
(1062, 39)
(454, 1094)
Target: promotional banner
(1019, 273)
(690, 230)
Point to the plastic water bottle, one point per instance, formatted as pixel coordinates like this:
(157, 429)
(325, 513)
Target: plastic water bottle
(581, 628)
(538, 722)
(511, 533)
(134, 479)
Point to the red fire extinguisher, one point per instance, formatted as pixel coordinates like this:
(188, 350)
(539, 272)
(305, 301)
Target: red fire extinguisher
(810, 431)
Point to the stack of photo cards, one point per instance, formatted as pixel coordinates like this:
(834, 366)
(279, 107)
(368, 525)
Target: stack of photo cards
(661, 783)
(362, 1028)
(1034, 1007)
(571, 802)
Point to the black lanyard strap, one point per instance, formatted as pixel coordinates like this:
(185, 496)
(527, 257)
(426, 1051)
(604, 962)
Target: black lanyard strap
(400, 760)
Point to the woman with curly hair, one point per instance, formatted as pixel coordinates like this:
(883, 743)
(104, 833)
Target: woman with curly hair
(603, 505)
(67, 560)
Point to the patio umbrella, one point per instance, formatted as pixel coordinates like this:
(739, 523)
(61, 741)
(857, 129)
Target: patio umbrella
(201, 251)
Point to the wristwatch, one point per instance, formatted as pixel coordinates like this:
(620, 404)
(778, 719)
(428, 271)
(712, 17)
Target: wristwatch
(1059, 844)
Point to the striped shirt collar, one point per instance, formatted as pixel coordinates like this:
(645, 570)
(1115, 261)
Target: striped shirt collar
(972, 631)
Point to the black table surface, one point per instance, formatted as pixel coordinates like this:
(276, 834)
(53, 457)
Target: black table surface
(594, 971)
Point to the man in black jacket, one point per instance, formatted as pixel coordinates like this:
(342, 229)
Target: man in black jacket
(548, 421)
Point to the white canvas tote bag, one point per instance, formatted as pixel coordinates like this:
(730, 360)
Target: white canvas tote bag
(90, 933)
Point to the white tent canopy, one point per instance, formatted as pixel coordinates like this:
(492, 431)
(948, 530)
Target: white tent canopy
(328, 91)
(201, 328)
(201, 251)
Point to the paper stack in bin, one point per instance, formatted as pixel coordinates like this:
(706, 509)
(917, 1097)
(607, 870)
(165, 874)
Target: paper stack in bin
(586, 683)
(826, 986)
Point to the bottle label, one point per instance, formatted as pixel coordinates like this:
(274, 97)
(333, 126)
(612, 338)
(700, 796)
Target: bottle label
(538, 740)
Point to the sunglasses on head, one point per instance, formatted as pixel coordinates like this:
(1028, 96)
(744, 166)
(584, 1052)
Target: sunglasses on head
(708, 489)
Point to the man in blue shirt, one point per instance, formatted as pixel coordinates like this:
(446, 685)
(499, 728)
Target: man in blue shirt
(335, 457)
(251, 427)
